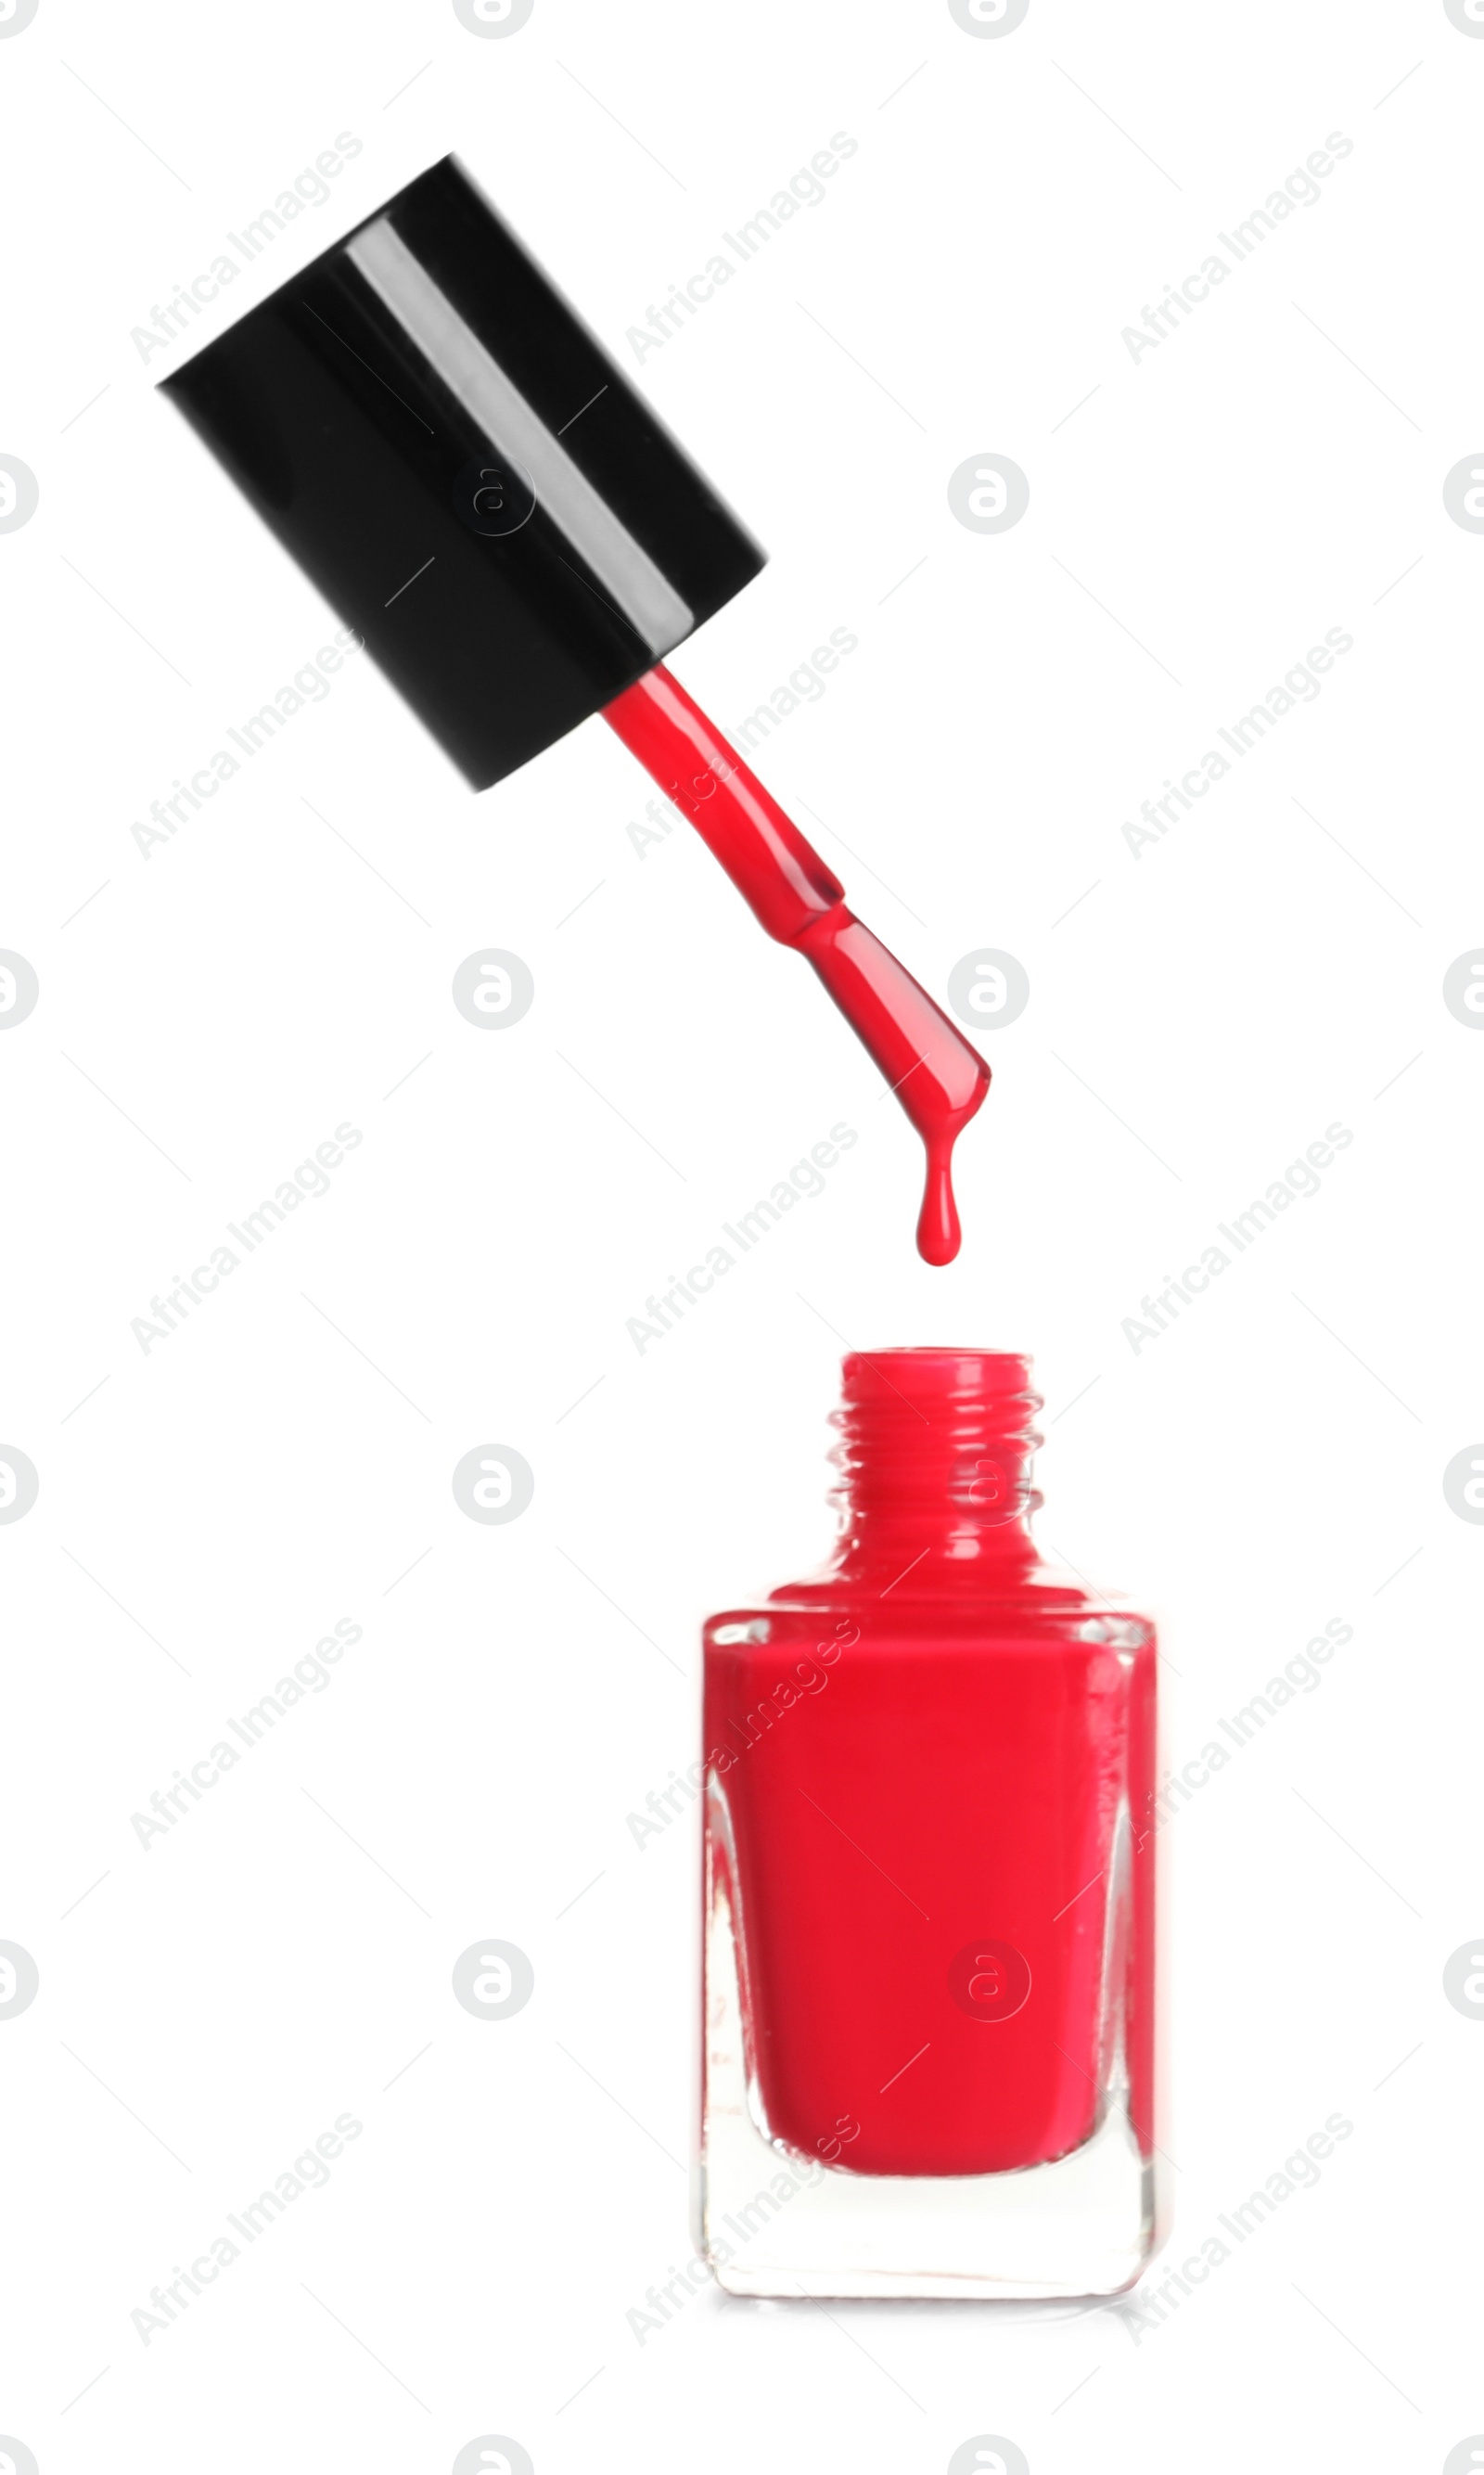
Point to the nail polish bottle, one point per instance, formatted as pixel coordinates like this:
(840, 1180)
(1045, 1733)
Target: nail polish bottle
(929, 2003)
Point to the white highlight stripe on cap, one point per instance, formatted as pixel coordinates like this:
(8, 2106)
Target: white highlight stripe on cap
(623, 568)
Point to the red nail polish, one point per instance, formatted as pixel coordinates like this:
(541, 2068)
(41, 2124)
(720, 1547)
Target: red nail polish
(929, 2029)
(937, 1078)
(518, 543)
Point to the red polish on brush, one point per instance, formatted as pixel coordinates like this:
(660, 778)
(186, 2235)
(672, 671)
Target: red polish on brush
(435, 436)
(940, 1080)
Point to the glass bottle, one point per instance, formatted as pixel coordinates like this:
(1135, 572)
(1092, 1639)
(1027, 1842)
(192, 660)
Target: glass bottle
(929, 2024)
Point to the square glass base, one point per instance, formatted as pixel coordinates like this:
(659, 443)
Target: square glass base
(775, 2222)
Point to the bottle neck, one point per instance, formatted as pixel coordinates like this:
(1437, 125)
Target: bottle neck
(935, 1455)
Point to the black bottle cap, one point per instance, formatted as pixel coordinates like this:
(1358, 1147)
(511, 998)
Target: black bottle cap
(468, 479)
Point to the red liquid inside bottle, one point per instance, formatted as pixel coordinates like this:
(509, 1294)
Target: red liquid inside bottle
(930, 1939)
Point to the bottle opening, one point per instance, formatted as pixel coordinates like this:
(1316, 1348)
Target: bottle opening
(934, 1454)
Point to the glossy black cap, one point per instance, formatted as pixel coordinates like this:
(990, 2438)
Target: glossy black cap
(470, 480)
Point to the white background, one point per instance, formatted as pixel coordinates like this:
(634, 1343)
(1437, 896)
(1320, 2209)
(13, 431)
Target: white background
(1272, 471)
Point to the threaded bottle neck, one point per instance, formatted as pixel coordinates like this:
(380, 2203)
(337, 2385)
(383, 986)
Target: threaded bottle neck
(935, 1456)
